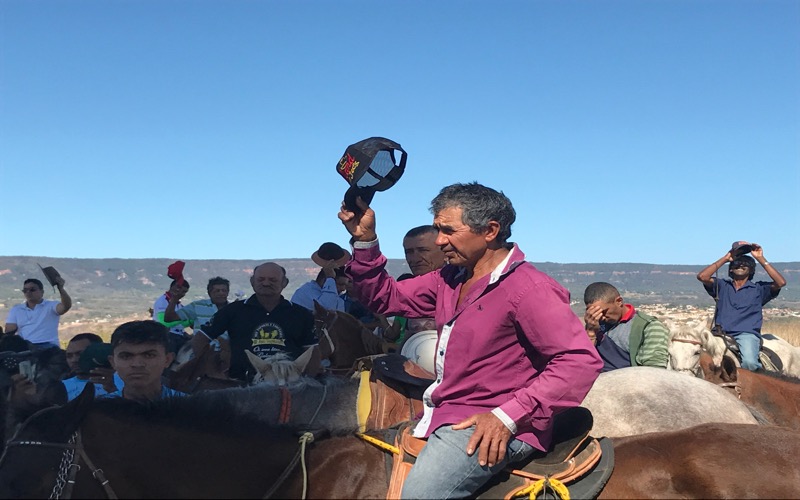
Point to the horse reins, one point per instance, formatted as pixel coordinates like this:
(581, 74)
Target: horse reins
(69, 466)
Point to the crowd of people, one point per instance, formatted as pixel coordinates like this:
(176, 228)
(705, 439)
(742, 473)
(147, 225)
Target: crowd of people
(510, 352)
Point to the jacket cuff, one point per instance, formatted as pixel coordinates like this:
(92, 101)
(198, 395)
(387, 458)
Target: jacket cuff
(507, 421)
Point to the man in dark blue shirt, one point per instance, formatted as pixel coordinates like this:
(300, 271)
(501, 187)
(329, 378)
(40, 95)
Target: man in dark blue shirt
(739, 299)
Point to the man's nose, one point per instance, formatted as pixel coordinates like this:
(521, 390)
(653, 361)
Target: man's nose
(441, 240)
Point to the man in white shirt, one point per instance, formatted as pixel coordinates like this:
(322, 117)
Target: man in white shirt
(36, 319)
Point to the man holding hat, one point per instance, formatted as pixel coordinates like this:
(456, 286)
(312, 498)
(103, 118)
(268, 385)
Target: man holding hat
(739, 299)
(329, 257)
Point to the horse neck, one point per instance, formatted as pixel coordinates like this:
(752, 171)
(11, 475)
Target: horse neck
(363, 464)
(776, 398)
(347, 334)
(169, 450)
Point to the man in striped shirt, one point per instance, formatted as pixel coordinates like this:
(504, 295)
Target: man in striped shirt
(622, 335)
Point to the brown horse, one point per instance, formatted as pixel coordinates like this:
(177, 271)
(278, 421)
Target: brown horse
(185, 448)
(207, 370)
(771, 398)
(343, 338)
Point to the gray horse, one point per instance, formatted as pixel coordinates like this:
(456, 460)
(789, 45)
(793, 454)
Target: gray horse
(624, 402)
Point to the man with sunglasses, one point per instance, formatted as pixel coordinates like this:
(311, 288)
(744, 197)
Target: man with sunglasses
(36, 319)
(739, 299)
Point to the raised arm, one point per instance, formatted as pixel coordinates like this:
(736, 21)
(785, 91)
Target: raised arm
(706, 275)
(169, 313)
(778, 281)
(66, 301)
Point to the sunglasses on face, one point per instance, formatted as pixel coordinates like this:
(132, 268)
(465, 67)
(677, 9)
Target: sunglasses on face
(740, 264)
(29, 290)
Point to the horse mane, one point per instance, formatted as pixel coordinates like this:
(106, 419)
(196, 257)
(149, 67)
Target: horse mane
(778, 376)
(196, 413)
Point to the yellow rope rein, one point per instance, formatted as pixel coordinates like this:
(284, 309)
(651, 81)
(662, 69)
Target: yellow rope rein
(380, 444)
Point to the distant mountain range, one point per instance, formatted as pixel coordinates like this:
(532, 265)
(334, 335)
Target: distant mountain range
(119, 287)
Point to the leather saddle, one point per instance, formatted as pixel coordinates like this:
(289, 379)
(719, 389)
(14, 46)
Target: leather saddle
(572, 457)
(391, 391)
(768, 358)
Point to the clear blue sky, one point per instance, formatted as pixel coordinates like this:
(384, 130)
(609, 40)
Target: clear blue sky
(622, 131)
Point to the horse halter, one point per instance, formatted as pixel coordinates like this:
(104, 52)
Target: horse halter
(687, 341)
(321, 330)
(69, 466)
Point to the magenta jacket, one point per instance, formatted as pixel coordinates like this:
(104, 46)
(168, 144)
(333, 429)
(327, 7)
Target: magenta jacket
(514, 344)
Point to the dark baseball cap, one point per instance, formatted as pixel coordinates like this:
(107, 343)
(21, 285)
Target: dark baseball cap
(369, 166)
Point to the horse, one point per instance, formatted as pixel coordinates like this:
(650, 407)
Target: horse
(772, 398)
(188, 448)
(624, 402)
(688, 339)
(644, 399)
(208, 370)
(343, 339)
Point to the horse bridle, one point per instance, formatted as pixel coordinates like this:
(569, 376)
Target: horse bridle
(321, 330)
(69, 465)
(727, 385)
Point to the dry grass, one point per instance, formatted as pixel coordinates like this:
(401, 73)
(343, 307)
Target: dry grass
(785, 327)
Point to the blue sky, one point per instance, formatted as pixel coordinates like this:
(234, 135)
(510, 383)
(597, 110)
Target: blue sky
(622, 131)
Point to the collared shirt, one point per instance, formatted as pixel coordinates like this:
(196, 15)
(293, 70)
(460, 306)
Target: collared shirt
(326, 295)
(160, 306)
(166, 392)
(287, 328)
(75, 386)
(199, 312)
(513, 346)
(37, 325)
(740, 310)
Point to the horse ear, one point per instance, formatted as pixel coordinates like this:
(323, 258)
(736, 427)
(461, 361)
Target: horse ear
(76, 410)
(318, 309)
(729, 371)
(259, 364)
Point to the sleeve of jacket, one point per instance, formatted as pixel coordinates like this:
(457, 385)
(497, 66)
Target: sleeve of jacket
(376, 289)
(654, 350)
(570, 361)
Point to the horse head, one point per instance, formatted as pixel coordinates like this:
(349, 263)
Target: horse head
(34, 458)
(343, 338)
(687, 341)
(724, 373)
(280, 369)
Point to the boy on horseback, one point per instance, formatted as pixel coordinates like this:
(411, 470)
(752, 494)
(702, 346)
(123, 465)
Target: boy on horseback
(739, 299)
(511, 353)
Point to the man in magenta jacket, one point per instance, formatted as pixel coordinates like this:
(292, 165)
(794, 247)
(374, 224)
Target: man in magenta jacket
(511, 353)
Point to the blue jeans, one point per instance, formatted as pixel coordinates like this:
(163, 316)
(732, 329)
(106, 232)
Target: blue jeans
(749, 345)
(444, 470)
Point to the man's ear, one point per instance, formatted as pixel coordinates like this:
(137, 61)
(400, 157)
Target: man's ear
(285, 282)
(493, 229)
(170, 358)
(111, 361)
(618, 300)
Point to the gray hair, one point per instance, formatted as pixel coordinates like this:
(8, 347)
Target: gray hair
(480, 205)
